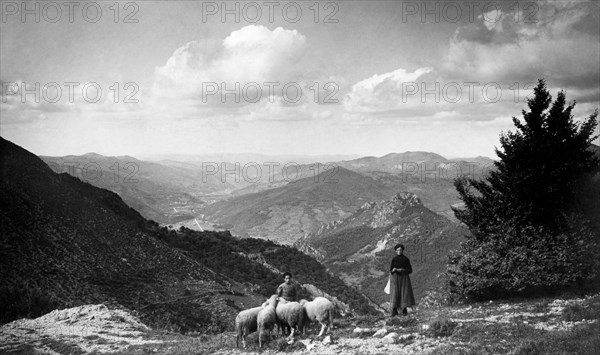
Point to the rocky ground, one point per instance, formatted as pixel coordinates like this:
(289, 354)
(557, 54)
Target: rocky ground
(561, 325)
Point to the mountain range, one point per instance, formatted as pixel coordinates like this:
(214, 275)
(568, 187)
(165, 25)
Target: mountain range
(67, 243)
(256, 196)
(291, 210)
(288, 212)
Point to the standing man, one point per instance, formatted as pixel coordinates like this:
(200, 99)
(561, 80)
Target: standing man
(289, 289)
(401, 292)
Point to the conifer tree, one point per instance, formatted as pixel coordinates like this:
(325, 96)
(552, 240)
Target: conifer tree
(525, 231)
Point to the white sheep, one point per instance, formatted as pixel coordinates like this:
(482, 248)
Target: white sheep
(321, 310)
(246, 323)
(266, 318)
(290, 314)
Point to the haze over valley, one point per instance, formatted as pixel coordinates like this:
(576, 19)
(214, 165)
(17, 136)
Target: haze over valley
(266, 198)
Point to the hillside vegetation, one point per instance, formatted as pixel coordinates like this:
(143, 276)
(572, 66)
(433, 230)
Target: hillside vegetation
(259, 264)
(67, 243)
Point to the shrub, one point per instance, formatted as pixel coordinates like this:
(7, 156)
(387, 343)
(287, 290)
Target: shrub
(524, 261)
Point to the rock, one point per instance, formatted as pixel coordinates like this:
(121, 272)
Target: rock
(380, 333)
(359, 330)
(308, 344)
(405, 337)
(390, 338)
(327, 340)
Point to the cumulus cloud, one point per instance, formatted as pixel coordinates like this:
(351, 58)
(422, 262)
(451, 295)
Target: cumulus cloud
(252, 54)
(490, 68)
(424, 95)
(383, 91)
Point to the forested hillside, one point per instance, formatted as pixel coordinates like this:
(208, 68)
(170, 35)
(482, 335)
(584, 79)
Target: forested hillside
(67, 243)
(259, 264)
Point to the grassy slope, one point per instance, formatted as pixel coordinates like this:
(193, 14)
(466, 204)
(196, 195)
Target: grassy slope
(515, 327)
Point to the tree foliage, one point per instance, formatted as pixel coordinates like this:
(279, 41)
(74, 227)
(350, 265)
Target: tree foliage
(527, 233)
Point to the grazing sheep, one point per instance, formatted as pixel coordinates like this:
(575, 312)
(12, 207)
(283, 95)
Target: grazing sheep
(321, 310)
(290, 314)
(246, 323)
(266, 318)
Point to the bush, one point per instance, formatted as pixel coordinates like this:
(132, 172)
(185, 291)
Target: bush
(524, 261)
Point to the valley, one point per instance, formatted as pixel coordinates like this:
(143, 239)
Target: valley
(220, 246)
(262, 199)
(348, 216)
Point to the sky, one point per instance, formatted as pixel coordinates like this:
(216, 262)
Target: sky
(305, 78)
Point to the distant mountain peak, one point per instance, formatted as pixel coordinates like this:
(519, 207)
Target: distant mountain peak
(407, 199)
(376, 214)
(93, 155)
(399, 200)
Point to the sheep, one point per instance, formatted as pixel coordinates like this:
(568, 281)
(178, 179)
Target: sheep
(246, 323)
(320, 309)
(266, 318)
(290, 314)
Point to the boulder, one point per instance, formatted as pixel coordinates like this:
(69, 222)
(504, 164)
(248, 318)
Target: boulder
(380, 333)
(391, 338)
